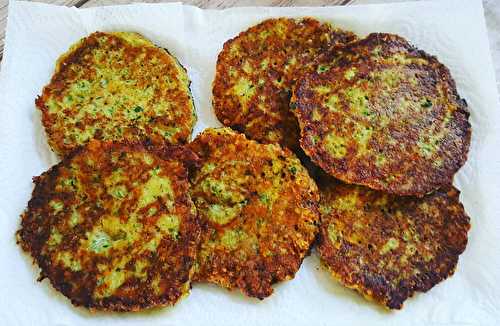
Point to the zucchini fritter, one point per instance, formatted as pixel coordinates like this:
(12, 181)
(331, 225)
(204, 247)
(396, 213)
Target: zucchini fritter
(116, 86)
(113, 227)
(258, 210)
(256, 70)
(388, 247)
(383, 114)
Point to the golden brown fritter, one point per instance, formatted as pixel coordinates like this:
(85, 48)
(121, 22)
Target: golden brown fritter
(256, 70)
(388, 247)
(258, 210)
(113, 227)
(116, 86)
(385, 115)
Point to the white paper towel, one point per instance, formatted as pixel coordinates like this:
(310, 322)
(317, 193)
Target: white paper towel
(453, 30)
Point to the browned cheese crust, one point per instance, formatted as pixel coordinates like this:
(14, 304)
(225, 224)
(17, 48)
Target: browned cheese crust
(388, 247)
(258, 210)
(116, 86)
(256, 70)
(113, 227)
(383, 114)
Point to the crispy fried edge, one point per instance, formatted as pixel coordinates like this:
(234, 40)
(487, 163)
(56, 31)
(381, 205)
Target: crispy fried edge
(70, 57)
(221, 58)
(250, 289)
(175, 152)
(446, 78)
(395, 299)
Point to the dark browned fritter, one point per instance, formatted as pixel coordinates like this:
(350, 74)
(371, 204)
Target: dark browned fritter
(113, 227)
(256, 70)
(258, 210)
(388, 247)
(116, 86)
(383, 114)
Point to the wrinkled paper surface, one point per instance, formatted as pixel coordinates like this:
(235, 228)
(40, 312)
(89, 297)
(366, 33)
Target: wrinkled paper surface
(452, 30)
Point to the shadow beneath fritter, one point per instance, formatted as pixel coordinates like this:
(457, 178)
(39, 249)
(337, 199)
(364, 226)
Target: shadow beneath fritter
(234, 295)
(314, 171)
(53, 295)
(46, 155)
(327, 283)
(157, 312)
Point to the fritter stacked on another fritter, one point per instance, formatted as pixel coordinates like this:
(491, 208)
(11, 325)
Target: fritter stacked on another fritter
(116, 86)
(256, 70)
(381, 113)
(258, 210)
(388, 247)
(113, 227)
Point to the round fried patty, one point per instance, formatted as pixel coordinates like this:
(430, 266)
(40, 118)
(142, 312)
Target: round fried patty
(256, 70)
(388, 247)
(383, 114)
(258, 210)
(116, 86)
(113, 227)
